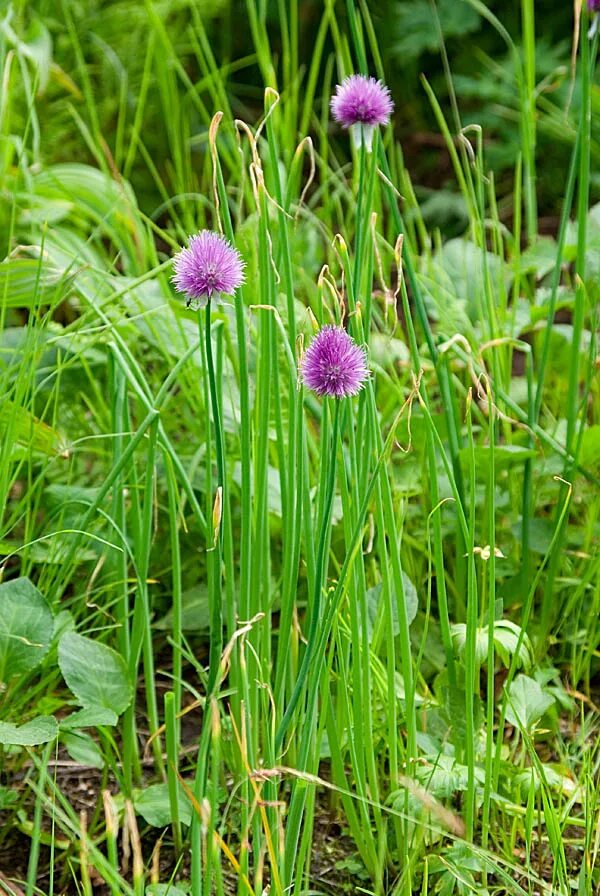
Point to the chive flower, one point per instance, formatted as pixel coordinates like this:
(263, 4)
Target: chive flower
(593, 5)
(208, 269)
(334, 364)
(362, 104)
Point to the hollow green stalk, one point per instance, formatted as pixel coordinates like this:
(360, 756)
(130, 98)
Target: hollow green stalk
(315, 620)
(172, 740)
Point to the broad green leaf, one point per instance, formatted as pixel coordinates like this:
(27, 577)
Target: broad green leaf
(414, 27)
(25, 282)
(385, 350)
(561, 348)
(454, 713)
(26, 626)
(95, 673)
(56, 550)
(108, 203)
(375, 607)
(504, 456)
(8, 797)
(165, 890)
(273, 487)
(527, 703)
(506, 638)
(541, 533)
(154, 806)
(89, 717)
(552, 777)
(590, 449)
(443, 776)
(455, 281)
(38, 731)
(20, 425)
(195, 613)
(63, 622)
(83, 749)
(540, 257)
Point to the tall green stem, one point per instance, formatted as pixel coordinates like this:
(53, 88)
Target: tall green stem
(324, 532)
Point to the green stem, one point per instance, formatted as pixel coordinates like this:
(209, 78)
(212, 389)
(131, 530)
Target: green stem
(171, 732)
(315, 620)
(215, 548)
(216, 412)
(528, 114)
(201, 875)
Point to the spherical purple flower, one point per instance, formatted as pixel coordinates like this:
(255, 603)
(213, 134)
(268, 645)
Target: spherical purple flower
(593, 5)
(209, 268)
(362, 102)
(334, 364)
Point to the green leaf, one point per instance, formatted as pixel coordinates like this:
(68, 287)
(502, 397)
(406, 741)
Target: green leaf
(90, 717)
(541, 533)
(37, 47)
(26, 626)
(375, 606)
(195, 612)
(25, 283)
(527, 703)
(444, 776)
(506, 638)
(83, 749)
(457, 278)
(540, 257)
(415, 29)
(454, 713)
(165, 890)
(20, 425)
(504, 456)
(38, 731)
(590, 449)
(96, 197)
(95, 673)
(8, 797)
(154, 806)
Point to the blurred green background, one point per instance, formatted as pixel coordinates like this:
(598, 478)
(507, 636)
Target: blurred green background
(121, 41)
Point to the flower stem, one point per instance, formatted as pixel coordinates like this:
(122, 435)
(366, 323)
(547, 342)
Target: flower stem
(200, 873)
(315, 619)
(216, 616)
(216, 413)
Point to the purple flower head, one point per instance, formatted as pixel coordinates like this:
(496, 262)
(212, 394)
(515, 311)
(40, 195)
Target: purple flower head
(362, 101)
(208, 268)
(334, 364)
(593, 5)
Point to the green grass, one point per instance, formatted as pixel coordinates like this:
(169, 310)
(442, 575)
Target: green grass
(251, 612)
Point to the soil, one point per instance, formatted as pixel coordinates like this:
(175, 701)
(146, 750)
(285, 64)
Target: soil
(333, 861)
(333, 866)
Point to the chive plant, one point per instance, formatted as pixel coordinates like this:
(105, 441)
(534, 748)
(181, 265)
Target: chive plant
(313, 447)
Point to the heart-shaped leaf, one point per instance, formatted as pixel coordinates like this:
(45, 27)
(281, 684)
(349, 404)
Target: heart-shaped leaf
(154, 806)
(95, 673)
(83, 749)
(527, 703)
(90, 717)
(26, 626)
(38, 731)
